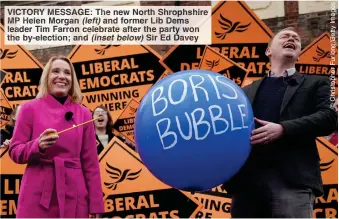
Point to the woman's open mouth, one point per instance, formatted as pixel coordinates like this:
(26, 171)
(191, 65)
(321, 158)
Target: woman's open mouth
(100, 119)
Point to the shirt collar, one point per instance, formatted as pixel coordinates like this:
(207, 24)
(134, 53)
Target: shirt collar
(288, 72)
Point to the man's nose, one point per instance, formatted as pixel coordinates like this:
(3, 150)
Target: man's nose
(291, 38)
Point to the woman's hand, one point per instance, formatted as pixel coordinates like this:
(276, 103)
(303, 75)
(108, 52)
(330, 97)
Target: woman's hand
(47, 139)
(6, 143)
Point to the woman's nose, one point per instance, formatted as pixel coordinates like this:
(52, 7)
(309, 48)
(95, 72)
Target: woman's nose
(62, 75)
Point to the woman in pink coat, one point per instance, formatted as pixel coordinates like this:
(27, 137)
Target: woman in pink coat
(62, 178)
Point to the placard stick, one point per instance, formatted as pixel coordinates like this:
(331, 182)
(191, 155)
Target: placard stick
(74, 126)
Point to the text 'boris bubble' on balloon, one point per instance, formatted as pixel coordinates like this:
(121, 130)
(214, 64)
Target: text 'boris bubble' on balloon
(193, 128)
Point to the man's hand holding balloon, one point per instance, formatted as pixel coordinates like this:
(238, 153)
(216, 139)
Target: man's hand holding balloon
(193, 129)
(266, 134)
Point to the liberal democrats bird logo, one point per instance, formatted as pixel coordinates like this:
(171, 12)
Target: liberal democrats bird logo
(119, 176)
(212, 64)
(321, 54)
(103, 50)
(133, 110)
(230, 27)
(326, 165)
(7, 54)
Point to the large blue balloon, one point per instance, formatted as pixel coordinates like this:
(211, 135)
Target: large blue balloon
(193, 128)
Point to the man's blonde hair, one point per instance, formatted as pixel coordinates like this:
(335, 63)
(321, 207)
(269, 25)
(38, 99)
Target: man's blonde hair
(287, 28)
(74, 92)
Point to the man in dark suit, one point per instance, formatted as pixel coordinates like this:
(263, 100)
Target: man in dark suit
(282, 177)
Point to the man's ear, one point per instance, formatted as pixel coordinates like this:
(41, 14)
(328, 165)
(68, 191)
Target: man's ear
(268, 52)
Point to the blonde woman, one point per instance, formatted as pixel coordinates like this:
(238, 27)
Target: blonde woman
(62, 178)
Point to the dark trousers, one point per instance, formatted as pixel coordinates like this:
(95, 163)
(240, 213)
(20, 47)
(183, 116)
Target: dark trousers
(270, 196)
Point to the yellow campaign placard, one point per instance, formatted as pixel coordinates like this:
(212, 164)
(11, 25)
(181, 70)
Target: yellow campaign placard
(24, 72)
(237, 33)
(131, 191)
(326, 206)
(125, 122)
(320, 58)
(214, 61)
(112, 75)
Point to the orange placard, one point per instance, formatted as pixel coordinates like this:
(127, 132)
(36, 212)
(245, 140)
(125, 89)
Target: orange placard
(237, 33)
(6, 109)
(327, 205)
(125, 123)
(131, 191)
(5, 106)
(2, 76)
(215, 61)
(10, 181)
(234, 22)
(328, 161)
(112, 75)
(320, 58)
(216, 203)
(10, 172)
(24, 72)
(319, 52)
(164, 75)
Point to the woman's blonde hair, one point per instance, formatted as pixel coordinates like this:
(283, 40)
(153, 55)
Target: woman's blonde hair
(74, 92)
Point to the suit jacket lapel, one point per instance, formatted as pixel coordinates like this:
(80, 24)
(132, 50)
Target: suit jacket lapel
(254, 89)
(294, 83)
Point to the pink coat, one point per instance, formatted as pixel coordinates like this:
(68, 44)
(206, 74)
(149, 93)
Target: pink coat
(65, 180)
